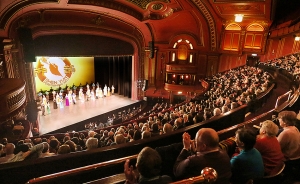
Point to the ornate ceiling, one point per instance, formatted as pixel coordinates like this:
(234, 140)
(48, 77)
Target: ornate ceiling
(138, 21)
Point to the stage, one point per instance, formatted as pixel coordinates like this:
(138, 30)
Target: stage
(62, 117)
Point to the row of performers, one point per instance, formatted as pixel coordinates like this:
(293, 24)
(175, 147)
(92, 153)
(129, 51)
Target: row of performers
(70, 97)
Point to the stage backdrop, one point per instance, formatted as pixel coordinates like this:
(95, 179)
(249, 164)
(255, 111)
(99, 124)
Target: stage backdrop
(61, 71)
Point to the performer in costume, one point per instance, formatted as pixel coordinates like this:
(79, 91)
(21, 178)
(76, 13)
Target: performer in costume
(43, 109)
(100, 93)
(88, 92)
(81, 95)
(44, 101)
(108, 91)
(92, 95)
(67, 100)
(70, 97)
(61, 100)
(97, 92)
(112, 89)
(105, 91)
(48, 108)
(54, 100)
(74, 98)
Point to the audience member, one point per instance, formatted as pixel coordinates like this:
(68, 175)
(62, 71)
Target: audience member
(91, 143)
(207, 154)
(248, 164)
(63, 149)
(148, 166)
(23, 151)
(46, 152)
(289, 138)
(9, 150)
(268, 146)
(146, 134)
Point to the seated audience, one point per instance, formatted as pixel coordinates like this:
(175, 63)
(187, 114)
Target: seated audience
(268, 146)
(148, 166)
(207, 154)
(248, 164)
(23, 151)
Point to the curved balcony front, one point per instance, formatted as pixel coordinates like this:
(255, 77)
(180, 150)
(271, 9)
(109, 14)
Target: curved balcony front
(12, 97)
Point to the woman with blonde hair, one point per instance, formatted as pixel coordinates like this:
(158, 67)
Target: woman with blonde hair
(268, 146)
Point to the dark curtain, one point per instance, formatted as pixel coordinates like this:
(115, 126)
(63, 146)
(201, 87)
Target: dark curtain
(115, 70)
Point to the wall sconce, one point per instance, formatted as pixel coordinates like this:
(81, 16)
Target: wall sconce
(191, 58)
(173, 56)
(297, 38)
(238, 17)
(173, 75)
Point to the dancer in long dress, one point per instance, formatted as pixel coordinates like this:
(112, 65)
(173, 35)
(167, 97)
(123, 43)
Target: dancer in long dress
(67, 100)
(44, 101)
(92, 95)
(54, 100)
(108, 91)
(48, 108)
(100, 93)
(97, 92)
(112, 89)
(88, 94)
(105, 91)
(70, 97)
(81, 95)
(74, 98)
(61, 100)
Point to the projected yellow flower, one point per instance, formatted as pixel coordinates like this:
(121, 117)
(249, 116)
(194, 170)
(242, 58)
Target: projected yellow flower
(54, 71)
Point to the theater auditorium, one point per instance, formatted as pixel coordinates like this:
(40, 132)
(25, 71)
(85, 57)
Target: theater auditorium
(150, 91)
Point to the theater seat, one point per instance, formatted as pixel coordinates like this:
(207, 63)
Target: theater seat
(275, 177)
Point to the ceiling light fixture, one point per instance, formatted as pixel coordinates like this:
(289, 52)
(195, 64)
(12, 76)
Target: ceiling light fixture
(238, 17)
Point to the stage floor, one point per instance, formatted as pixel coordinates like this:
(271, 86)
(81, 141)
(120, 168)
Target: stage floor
(61, 117)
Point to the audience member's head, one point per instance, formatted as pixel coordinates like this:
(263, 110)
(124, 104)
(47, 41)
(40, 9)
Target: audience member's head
(64, 149)
(91, 133)
(91, 143)
(46, 147)
(137, 135)
(146, 134)
(207, 139)
(66, 138)
(120, 139)
(225, 109)
(148, 163)
(54, 145)
(9, 148)
(287, 118)
(72, 145)
(217, 112)
(269, 128)
(167, 128)
(245, 138)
